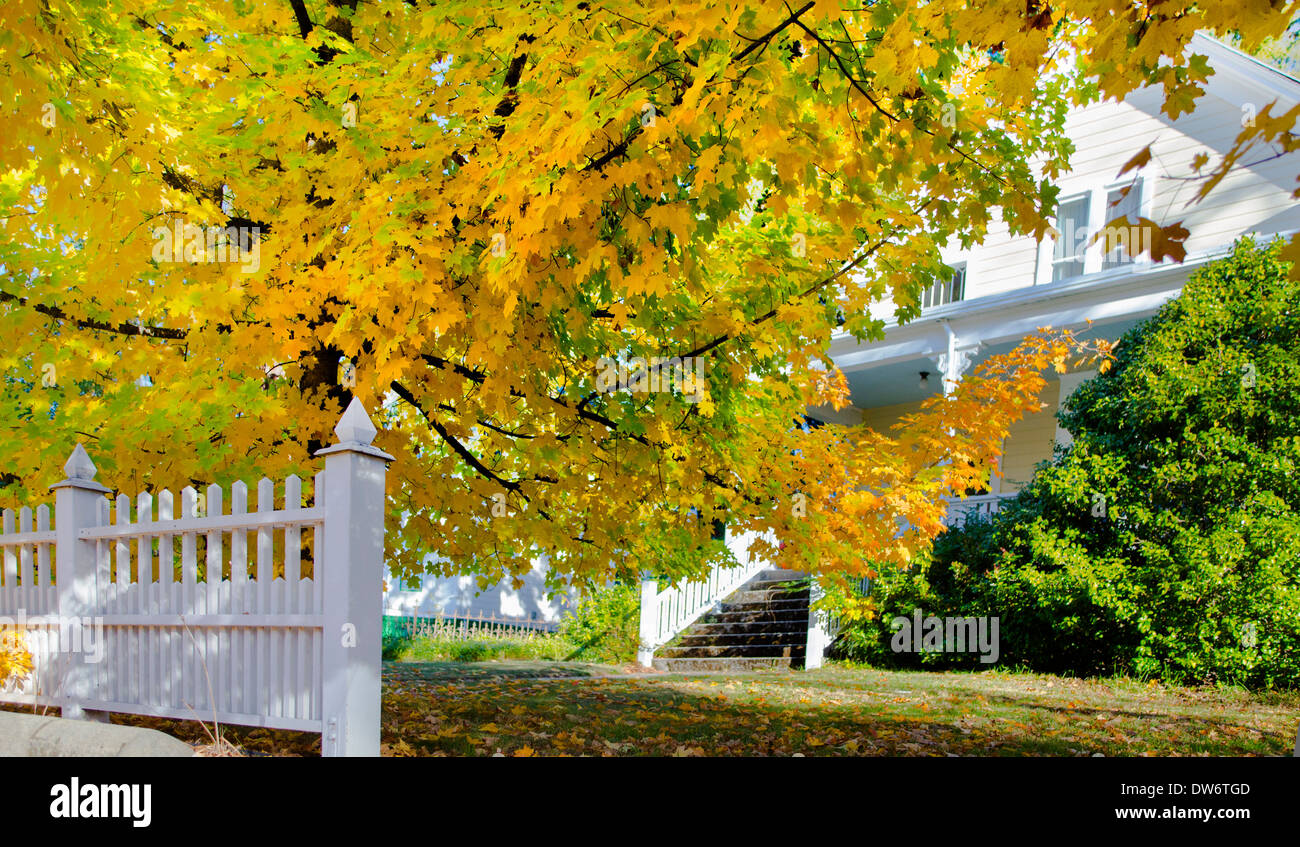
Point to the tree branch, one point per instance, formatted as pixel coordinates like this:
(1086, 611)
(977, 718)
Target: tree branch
(58, 314)
(454, 443)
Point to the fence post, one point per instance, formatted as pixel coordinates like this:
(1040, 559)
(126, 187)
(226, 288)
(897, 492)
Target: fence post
(353, 575)
(818, 636)
(76, 506)
(645, 651)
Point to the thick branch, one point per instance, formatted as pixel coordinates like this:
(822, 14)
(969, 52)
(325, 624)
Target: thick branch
(58, 314)
(454, 443)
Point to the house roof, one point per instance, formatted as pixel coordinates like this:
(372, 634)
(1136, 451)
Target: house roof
(1234, 69)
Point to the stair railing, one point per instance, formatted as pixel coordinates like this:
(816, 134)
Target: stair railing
(666, 614)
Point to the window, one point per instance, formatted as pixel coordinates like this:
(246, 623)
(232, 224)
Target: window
(945, 291)
(1082, 237)
(1126, 201)
(1072, 238)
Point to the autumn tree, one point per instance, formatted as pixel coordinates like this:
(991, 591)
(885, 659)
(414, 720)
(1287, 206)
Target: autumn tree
(224, 219)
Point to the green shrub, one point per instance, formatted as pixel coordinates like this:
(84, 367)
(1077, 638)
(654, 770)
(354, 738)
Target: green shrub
(1191, 572)
(605, 625)
(938, 583)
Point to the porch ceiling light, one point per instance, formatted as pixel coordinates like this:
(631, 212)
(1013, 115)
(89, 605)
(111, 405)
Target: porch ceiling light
(925, 380)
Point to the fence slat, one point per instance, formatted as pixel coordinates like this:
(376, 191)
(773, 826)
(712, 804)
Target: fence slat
(10, 557)
(186, 650)
(122, 548)
(214, 678)
(238, 550)
(265, 580)
(164, 649)
(265, 547)
(142, 640)
(240, 655)
(317, 557)
(26, 590)
(189, 552)
(292, 545)
(166, 552)
(44, 573)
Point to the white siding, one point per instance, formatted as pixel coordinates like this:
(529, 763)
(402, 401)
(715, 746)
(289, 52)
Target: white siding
(1254, 197)
(1107, 135)
(460, 596)
(1030, 441)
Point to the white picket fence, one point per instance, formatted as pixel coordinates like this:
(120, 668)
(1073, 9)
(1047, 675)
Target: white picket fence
(209, 614)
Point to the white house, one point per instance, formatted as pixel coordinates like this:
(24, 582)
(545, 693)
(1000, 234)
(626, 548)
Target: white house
(1006, 287)
(461, 597)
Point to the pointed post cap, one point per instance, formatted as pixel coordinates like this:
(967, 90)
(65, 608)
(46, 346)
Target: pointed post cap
(355, 425)
(79, 465)
(356, 433)
(80, 471)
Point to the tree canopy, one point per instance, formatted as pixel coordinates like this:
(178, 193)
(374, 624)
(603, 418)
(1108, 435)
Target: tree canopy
(221, 220)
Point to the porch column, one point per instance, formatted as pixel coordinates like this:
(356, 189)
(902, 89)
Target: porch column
(958, 358)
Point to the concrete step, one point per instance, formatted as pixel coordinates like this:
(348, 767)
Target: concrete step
(776, 628)
(761, 581)
(758, 615)
(716, 651)
(780, 574)
(747, 596)
(734, 603)
(695, 639)
(723, 665)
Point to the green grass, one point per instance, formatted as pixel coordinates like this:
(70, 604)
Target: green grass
(545, 648)
(567, 708)
(832, 711)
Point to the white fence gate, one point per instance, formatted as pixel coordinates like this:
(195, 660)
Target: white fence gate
(212, 613)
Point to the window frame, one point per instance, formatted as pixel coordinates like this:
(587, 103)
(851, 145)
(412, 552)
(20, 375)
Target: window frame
(401, 585)
(1139, 181)
(1096, 190)
(1089, 196)
(957, 267)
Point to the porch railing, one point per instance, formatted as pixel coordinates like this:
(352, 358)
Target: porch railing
(985, 505)
(667, 613)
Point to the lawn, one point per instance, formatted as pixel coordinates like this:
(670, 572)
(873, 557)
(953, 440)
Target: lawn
(556, 708)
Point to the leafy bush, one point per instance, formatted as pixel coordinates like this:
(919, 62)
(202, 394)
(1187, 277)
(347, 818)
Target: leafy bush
(937, 583)
(605, 625)
(1165, 541)
(15, 659)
